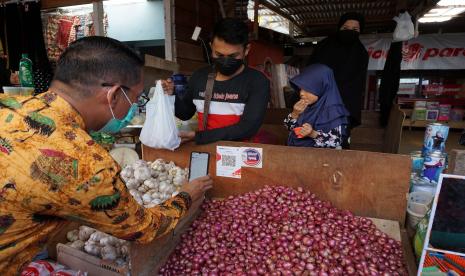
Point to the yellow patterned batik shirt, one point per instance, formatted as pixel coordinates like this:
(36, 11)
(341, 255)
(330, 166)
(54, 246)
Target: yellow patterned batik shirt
(52, 171)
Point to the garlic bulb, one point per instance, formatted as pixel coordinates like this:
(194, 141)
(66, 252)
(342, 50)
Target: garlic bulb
(85, 232)
(97, 236)
(108, 253)
(142, 173)
(154, 182)
(100, 244)
(73, 235)
(146, 198)
(78, 244)
(109, 240)
(132, 183)
(127, 173)
(92, 248)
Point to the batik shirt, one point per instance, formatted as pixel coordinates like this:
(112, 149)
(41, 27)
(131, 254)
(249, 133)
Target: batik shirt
(331, 139)
(51, 171)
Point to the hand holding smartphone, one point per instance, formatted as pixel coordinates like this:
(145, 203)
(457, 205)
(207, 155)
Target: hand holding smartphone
(198, 164)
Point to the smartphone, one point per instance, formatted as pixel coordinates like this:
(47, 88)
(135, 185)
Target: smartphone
(198, 164)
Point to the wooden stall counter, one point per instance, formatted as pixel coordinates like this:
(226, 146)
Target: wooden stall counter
(369, 184)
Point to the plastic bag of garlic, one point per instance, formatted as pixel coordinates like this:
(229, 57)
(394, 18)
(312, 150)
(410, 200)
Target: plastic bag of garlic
(151, 183)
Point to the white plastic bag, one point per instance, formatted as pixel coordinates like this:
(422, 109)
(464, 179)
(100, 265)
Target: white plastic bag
(159, 130)
(404, 29)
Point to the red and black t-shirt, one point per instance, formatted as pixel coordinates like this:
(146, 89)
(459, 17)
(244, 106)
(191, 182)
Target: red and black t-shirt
(237, 106)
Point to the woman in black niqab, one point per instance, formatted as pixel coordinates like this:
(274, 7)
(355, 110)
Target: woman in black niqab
(345, 54)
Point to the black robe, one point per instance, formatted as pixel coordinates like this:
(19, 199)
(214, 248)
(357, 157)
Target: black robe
(349, 63)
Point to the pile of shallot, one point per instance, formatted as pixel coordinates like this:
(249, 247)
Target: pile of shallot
(283, 231)
(99, 244)
(152, 183)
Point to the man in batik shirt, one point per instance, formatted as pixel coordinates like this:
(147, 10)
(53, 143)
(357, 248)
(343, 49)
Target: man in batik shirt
(52, 172)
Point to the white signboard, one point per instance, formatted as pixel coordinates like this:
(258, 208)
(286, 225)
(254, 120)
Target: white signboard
(426, 52)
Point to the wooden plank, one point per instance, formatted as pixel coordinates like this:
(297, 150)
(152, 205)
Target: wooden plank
(159, 63)
(393, 132)
(51, 4)
(151, 75)
(368, 184)
(389, 227)
(146, 259)
(190, 5)
(457, 162)
(190, 18)
(276, 116)
(409, 256)
(187, 66)
(367, 135)
(451, 124)
(169, 29)
(192, 51)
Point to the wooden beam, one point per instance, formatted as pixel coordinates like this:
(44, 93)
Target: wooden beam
(423, 8)
(327, 21)
(255, 18)
(168, 7)
(98, 12)
(324, 5)
(221, 6)
(401, 5)
(281, 13)
(230, 8)
(51, 4)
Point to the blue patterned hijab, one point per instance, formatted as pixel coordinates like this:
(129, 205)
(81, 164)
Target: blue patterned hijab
(329, 111)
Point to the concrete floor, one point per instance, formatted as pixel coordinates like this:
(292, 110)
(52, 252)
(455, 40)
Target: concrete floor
(412, 140)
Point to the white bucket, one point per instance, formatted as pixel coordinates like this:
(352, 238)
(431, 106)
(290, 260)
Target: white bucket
(417, 207)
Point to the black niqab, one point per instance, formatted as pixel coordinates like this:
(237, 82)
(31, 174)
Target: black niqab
(349, 63)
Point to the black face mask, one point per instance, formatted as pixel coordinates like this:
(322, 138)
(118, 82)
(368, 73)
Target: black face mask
(348, 36)
(227, 65)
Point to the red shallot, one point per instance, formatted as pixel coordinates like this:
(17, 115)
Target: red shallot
(282, 231)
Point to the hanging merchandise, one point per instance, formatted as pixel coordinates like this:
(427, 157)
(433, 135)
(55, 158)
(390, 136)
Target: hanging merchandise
(404, 28)
(62, 27)
(25, 72)
(22, 34)
(160, 129)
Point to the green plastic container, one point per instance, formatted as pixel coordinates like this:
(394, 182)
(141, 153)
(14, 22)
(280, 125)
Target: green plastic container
(25, 72)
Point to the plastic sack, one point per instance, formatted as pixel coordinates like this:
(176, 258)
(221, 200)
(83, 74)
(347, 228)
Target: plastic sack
(405, 29)
(49, 268)
(159, 130)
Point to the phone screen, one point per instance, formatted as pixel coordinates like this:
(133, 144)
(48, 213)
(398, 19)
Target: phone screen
(199, 165)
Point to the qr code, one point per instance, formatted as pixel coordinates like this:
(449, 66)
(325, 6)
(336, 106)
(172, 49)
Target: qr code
(228, 161)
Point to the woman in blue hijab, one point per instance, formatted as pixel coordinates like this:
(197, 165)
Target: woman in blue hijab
(319, 118)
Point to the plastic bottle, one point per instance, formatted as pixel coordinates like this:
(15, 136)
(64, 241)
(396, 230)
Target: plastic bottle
(25, 72)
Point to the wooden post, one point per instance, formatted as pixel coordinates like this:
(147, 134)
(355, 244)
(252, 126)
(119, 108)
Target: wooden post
(291, 29)
(457, 162)
(255, 18)
(221, 6)
(98, 17)
(230, 8)
(169, 22)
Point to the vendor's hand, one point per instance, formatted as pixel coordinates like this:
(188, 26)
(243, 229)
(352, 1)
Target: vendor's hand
(197, 187)
(306, 130)
(168, 86)
(299, 107)
(186, 136)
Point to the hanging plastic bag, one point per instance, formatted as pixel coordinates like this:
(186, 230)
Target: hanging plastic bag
(159, 130)
(405, 29)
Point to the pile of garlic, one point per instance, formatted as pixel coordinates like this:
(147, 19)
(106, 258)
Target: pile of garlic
(151, 183)
(99, 244)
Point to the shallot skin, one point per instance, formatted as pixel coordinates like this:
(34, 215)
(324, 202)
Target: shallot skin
(282, 231)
